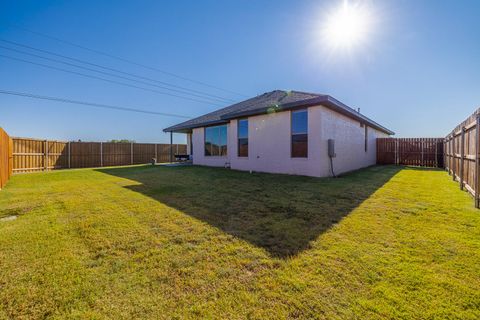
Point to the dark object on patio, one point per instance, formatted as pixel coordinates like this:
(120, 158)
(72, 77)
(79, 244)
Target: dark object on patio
(182, 157)
(153, 161)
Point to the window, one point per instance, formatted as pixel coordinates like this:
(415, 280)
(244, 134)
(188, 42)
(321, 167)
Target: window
(216, 141)
(366, 138)
(243, 138)
(300, 134)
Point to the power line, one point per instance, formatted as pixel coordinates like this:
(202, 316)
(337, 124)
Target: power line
(111, 69)
(109, 74)
(91, 104)
(126, 60)
(107, 80)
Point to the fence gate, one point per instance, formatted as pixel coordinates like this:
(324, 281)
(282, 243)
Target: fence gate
(423, 152)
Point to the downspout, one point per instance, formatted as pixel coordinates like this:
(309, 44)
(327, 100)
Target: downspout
(331, 154)
(331, 167)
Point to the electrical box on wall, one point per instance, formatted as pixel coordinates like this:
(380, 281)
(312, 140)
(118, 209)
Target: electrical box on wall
(331, 148)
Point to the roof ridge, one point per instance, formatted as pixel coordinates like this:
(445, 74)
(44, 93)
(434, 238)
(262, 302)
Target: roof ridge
(311, 93)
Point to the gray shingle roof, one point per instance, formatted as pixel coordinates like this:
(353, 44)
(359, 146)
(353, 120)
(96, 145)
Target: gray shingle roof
(277, 100)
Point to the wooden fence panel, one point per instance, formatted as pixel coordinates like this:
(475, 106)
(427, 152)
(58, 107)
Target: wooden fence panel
(425, 152)
(6, 158)
(388, 151)
(116, 154)
(57, 155)
(39, 155)
(85, 154)
(29, 155)
(462, 154)
(163, 152)
(181, 149)
(143, 152)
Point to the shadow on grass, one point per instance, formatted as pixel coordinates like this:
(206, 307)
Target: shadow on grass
(279, 213)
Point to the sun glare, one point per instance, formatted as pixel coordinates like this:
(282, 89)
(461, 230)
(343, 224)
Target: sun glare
(348, 26)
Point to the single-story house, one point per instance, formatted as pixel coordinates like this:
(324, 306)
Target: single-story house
(284, 132)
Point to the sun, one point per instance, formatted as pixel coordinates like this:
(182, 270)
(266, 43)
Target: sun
(348, 26)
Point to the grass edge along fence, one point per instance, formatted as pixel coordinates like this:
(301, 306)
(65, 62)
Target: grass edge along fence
(462, 155)
(6, 157)
(422, 152)
(30, 155)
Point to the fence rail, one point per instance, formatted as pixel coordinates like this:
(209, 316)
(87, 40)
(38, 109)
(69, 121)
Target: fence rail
(31, 155)
(6, 163)
(423, 152)
(462, 155)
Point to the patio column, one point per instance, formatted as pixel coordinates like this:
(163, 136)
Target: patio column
(189, 143)
(171, 146)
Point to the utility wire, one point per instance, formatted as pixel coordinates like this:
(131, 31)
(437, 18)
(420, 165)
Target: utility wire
(109, 74)
(112, 69)
(91, 104)
(125, 60)
(107, 80)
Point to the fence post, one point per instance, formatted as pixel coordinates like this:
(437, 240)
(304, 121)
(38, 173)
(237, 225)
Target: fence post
(477, 161)
(450, 150)
(462, 157)
(131, 152)
(10, 157)
(101, 154)
(422, 144)
(448, 147)
(69, 155)
(444, 145)
(45, 156)
(454, 156)
(395, 146)
(445, 156)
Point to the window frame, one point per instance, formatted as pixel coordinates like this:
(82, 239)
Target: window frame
(239, 138)
(296, 134)
(218, 126)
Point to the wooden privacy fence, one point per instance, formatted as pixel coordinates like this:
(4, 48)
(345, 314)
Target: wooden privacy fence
(462, 155)
(424, 152)
(39, 155)
(6, 161)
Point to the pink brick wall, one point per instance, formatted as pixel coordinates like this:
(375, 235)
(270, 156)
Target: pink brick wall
(269, 145)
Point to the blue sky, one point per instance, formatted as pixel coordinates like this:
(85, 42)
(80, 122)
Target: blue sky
(418, 72)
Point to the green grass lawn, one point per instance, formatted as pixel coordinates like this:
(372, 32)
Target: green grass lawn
(192, 242)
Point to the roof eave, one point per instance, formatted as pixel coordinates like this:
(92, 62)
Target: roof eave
(188, 128)
(326, 100)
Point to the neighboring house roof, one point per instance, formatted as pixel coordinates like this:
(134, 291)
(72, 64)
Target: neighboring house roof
(274, 101)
